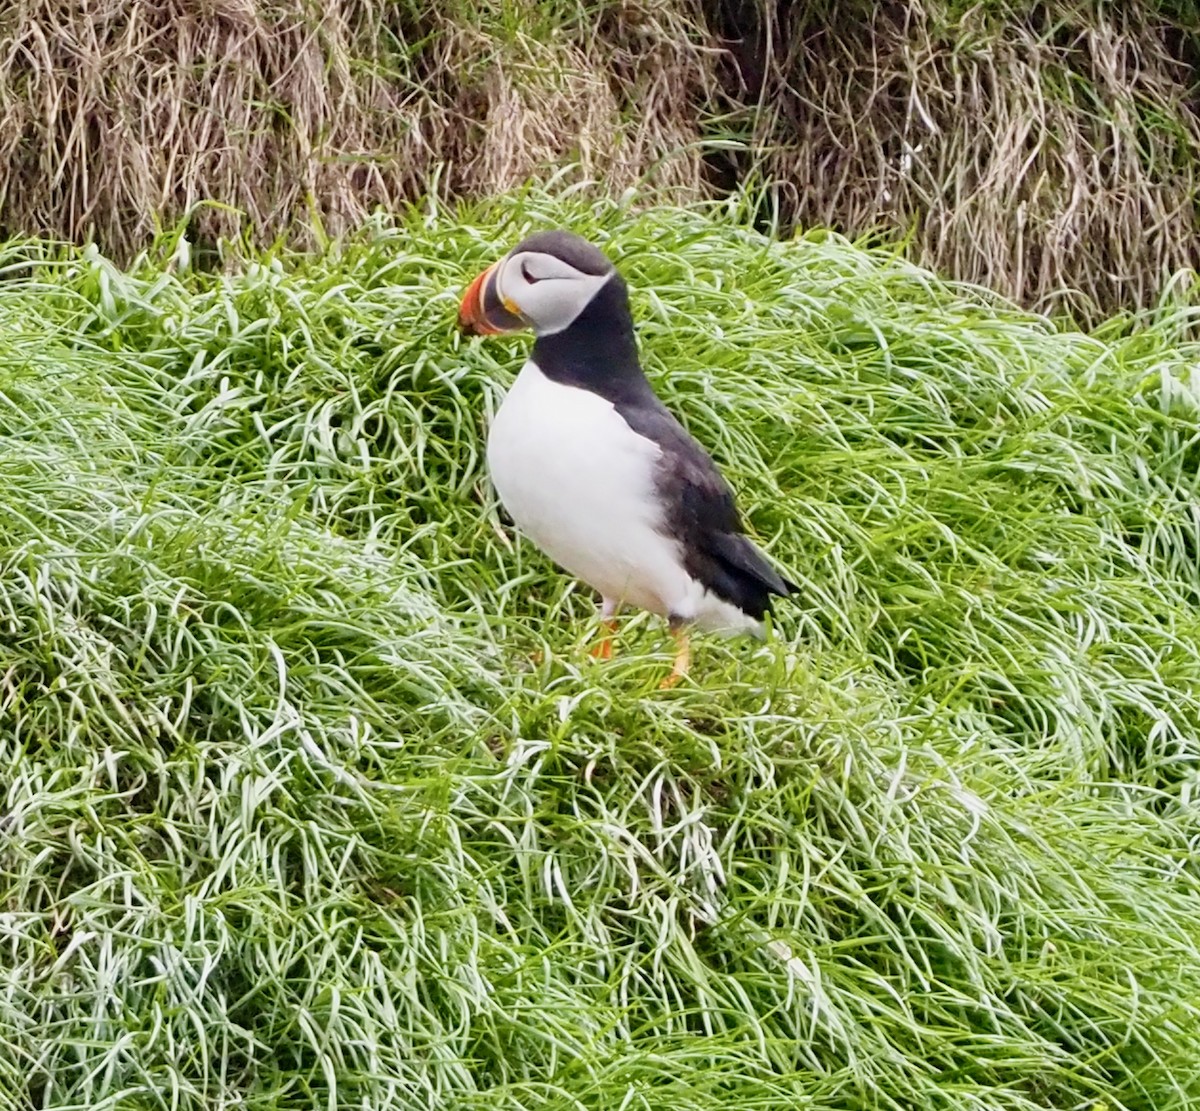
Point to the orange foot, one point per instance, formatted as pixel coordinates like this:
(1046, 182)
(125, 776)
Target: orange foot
(683, 660)
(603, 648)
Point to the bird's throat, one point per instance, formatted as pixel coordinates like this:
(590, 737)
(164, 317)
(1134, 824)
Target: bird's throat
(597, 351)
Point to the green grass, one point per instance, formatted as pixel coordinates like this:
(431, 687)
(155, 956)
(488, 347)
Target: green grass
(291, 819)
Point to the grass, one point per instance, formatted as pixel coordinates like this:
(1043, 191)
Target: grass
(1048, 151)
(292, 819)
(274, 119)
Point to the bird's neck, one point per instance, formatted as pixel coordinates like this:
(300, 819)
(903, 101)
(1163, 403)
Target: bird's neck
(597, 350)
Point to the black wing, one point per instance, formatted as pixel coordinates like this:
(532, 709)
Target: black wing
(702, 516)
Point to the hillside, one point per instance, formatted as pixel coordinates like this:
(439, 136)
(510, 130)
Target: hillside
(312, 797)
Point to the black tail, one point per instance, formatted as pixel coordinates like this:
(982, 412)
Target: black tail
(741, 574)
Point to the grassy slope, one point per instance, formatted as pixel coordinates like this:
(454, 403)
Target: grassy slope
(291, 820)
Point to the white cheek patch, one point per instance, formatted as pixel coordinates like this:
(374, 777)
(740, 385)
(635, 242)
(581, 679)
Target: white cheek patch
(555, 303)
(546, 291)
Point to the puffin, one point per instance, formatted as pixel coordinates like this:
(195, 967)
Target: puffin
(594, 469)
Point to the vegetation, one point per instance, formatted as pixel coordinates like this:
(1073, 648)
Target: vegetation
(1046, 150)
(313, 798)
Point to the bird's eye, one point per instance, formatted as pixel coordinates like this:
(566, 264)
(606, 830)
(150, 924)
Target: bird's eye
(527, 275)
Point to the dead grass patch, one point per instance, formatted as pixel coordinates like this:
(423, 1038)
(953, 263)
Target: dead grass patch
(120, 117)
(1048, 151)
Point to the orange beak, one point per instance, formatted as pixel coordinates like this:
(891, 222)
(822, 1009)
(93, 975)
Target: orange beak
(484, 312)
(471, 318)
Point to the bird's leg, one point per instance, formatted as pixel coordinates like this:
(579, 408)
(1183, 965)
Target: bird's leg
(603, 648)
(683, 654)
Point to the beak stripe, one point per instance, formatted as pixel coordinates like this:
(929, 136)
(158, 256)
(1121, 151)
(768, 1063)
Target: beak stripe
(470, 313)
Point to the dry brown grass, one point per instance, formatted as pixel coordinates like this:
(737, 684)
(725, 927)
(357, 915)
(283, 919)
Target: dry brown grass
(1049, 151)
(618, 93)
(120, 116)
(116, 115)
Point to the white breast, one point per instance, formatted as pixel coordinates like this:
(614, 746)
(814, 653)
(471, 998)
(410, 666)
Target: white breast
(579, 482)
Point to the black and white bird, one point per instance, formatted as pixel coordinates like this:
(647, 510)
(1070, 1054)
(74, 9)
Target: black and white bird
(591, 465)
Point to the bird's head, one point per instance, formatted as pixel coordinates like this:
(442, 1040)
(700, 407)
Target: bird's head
(543, 283)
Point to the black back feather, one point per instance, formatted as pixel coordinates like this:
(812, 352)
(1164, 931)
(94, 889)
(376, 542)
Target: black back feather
(702, 515)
